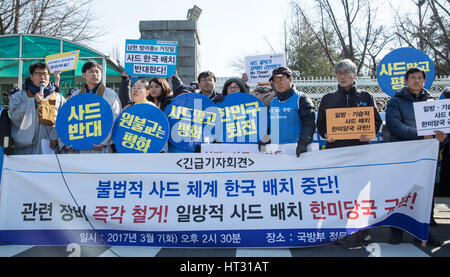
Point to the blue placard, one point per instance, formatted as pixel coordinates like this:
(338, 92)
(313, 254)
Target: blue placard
(141, 128)
(392, 68)
(192, 119)
(84, 120)
(150, 58)
(244, 119)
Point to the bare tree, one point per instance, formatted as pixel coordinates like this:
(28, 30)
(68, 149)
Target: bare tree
(353, 28)
(428, 30)
(309, 50)
(59, 18)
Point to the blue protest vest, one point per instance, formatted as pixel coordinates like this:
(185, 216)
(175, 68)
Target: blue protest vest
(285, 115)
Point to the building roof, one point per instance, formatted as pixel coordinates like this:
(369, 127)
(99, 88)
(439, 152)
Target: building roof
(25, 49)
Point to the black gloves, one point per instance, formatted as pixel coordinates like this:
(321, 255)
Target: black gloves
(264, 140)
(301, 148)
(198, 148)
(261, 143)
(8, 150)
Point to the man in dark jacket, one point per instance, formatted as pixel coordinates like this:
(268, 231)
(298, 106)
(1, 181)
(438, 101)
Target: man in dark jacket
(401, 123)
(207, 84)
(347, 95)
(400, 119)
(443, 188)
(292, 117)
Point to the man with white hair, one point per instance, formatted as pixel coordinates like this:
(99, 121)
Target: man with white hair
(346, 96)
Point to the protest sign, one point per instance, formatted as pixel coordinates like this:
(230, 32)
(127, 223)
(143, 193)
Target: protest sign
(63, 61)
(259, 68)
(217, 200)
(431, 116)
(84, 120)
(150, 58)
(192, 118)
(392, 68)
(243, 119)
(141, 128)
(350, 123)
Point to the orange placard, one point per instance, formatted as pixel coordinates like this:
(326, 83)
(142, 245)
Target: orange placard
(350, 123)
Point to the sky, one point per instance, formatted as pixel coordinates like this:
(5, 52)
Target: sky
(229, 29)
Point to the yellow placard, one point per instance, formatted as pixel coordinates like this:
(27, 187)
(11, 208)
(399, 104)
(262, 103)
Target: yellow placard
(350, 123)
(63, 61)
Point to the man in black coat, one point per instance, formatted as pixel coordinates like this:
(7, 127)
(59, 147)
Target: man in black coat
(401, 123)
(443, 188)
(347, 95)
(207, 84)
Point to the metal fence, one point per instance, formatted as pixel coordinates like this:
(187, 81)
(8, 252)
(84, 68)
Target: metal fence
(318, 87)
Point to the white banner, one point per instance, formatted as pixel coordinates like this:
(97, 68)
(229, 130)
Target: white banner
(431, 116)
(217, 200)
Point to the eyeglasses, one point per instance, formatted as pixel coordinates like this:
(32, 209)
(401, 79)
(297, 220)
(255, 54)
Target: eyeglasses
(416, 78)
(233, 87)
(40, 74)
(344, 73)
(136, 87)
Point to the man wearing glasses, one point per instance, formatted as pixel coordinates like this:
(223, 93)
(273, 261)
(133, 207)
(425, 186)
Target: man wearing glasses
(401, 123)
(347, 95)
(33, 112)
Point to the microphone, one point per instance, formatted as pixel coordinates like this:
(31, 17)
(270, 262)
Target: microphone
(41, 88)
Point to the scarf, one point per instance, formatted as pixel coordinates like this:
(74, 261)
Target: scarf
(29, 86)
(285, 95)
(98, 89)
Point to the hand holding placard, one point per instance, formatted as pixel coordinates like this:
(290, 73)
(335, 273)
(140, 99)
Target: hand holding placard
(350, 123)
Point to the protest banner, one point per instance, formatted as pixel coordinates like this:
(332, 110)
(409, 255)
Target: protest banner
(350, 123)
(192, 118)
(288, 148)
(234, 148)
(63, 61)
(150, 58)
(84, 120)
(243, 119)
(431, 116)
(241, 148)
(392, 68)
(217, 200)
(141, 128)
(259, 68)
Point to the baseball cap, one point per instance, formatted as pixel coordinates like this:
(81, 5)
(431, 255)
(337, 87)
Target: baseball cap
(282, 70)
